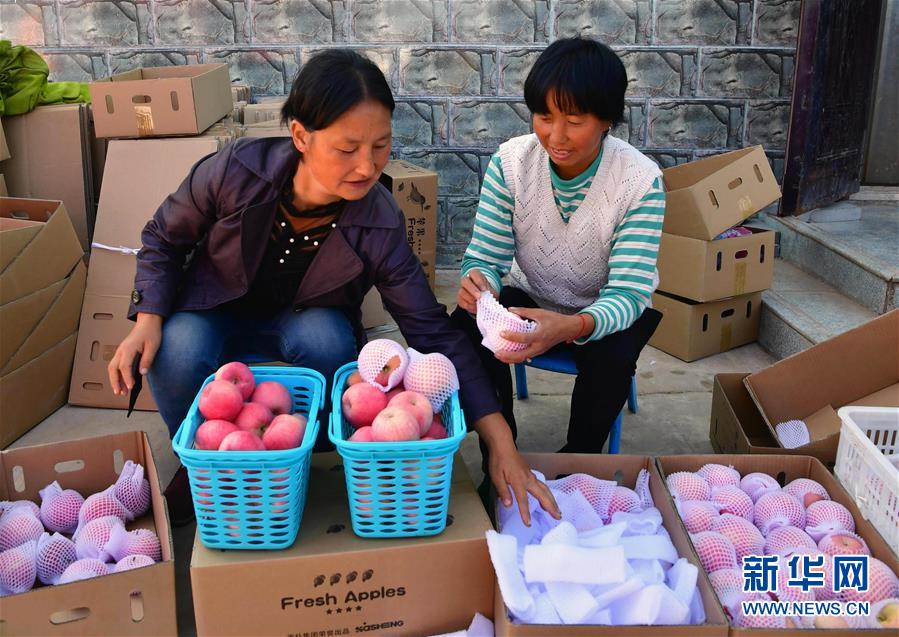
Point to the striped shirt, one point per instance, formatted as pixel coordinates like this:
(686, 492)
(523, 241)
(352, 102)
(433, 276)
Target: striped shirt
(632, 262)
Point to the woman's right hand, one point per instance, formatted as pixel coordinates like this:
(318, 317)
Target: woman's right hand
(143, 340)
(470, 287)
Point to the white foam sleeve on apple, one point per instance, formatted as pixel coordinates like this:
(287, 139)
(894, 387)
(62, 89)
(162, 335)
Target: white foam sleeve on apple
(792, 434)
(493, 319)
(373, 358)
(433, 375)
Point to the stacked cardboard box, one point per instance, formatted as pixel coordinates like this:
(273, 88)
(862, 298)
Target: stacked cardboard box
(710, 289)
(42, 278)
(51, 158)
(136, 602)
(331, 582)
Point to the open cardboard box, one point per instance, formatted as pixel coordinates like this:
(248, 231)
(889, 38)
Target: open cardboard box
(691, 330)
(858, 367)
(706, 197)
(786, 469)
(709, 270)
(332, 580)
(623, 469)
(137, 602)
(169, 100)
(736, 426)
(42, 282)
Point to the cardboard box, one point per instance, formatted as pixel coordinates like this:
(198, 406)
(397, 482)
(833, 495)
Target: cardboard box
(706, 197)
(786, 469)
(271, 128)
(171, 100)
(850, 369)
(137, 602)
(38, 246)
(691, 330)
(240, 92)
(269, 111)
(126, 204)
(709, 270)
(736, 425)
(52, 148)
(415, 190)
(623, 469)
(4, 149)
(332, 580)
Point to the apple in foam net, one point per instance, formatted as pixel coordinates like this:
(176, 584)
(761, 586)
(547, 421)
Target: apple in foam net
(361, 403)
(395, 424)
(285, 432)
(253, 416)
(383, 377)
(242, 441)
(211, 433)
(220, 400)
(239, 375)
(418, 405)
(273, 395)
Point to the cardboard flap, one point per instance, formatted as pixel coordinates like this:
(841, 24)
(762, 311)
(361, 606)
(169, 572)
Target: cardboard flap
(886, 397)
(50, 254)
(56, 323)
(823, 423)
(20, 317)
(836, 372)
(139, 175)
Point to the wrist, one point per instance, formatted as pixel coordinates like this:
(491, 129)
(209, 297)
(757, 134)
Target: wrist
(145, 318)
(494, 431)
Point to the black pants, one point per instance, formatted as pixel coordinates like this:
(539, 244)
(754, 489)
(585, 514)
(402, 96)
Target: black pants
(605, 368)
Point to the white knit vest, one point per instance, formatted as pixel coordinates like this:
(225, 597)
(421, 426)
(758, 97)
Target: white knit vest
(563, 266)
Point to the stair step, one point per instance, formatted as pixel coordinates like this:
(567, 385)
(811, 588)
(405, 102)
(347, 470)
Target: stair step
(800, 311)
(860, 258)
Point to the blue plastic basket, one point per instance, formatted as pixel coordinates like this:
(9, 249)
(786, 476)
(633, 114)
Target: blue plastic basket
(253, 499)
(396, 489)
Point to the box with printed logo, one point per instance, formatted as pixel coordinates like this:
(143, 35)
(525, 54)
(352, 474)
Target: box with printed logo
(332, 582)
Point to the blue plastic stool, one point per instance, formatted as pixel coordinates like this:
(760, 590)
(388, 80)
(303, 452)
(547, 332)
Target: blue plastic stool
(563, 363)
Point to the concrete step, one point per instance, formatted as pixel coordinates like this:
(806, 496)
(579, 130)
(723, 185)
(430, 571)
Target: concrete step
(800, 311)
(858, 256)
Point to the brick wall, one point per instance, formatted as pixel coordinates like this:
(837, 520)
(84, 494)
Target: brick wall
(706, 75)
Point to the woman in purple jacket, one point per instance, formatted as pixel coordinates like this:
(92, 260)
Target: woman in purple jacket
(268, 248)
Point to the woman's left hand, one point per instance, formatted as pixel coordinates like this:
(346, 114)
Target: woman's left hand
(552, 328)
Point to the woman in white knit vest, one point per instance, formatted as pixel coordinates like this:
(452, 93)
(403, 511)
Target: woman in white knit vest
(572, 218)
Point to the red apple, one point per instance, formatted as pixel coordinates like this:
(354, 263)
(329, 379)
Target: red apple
(395, 424)
(240, 375)
(210, 434)
(383, 377)
(285, 432)
(273, 395)
(242, 441)
(361, 403)
(399, 389)
(220, 400)
(436, 432)
(363, 434)
(253, 416)
(353, 378)
(417, 405)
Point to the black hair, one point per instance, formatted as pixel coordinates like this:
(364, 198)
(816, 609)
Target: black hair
(331, 83)
(586, 76)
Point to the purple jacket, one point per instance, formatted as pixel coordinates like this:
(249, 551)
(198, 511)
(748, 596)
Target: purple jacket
(222, 215)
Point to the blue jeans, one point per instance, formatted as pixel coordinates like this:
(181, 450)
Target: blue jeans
(195, 344)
